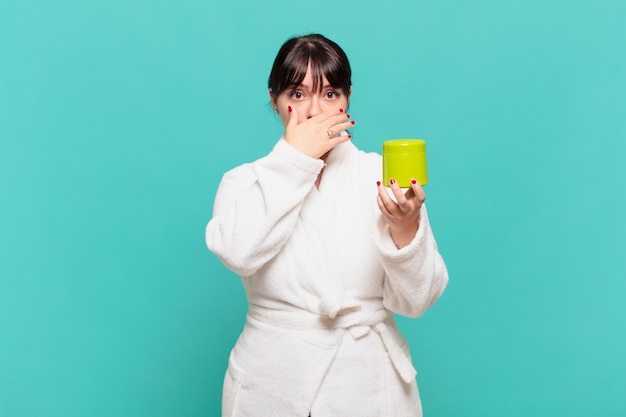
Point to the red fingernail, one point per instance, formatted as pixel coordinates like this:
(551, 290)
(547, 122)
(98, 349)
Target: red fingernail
(352, 121)
(348, 116)
(349, 136)
(289, 108)
(378, 183)
(340, 110)
(413, 182)
(392, 181)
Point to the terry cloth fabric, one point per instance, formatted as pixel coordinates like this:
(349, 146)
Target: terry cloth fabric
(323, 279)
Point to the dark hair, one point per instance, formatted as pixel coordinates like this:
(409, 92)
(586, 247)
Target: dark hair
(324, 56)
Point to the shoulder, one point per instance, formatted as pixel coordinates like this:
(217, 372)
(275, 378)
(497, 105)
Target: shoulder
(246, 169)
(363, 155)
(368, 162)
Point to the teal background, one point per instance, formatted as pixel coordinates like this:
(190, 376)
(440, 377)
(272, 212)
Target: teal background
(118, 118)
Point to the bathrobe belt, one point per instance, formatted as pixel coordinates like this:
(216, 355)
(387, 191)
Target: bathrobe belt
(357, 322)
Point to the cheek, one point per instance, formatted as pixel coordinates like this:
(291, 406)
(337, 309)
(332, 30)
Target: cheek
(284, 117)
(283, 113)
(345, 104)
(281, 109)
(339, 104)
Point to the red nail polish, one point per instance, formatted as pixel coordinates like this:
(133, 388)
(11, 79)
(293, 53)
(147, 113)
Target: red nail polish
(348, 116)
(392, 181)
(413, 182)
(378, 183)
(340, 110)
(349, 136)
(290, 109)
(352, 122)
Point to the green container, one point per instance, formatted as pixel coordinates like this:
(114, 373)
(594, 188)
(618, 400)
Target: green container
(403, 160)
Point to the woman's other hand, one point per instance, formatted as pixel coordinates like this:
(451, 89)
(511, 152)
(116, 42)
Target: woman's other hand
(402, 215)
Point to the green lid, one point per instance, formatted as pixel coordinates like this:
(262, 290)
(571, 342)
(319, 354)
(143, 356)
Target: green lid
(404, 146)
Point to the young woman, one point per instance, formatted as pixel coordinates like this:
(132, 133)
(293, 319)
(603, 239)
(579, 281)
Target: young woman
(326, 257)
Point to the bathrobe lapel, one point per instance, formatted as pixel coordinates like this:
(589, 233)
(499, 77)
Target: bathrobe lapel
(325, 227)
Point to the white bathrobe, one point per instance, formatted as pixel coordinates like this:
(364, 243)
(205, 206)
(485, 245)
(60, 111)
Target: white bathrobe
(323, 279)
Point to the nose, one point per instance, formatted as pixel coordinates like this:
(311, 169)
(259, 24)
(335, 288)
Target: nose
(314, 107)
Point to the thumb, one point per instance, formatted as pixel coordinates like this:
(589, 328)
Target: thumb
(293, 117)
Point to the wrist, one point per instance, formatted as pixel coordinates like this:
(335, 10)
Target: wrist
(403, 236)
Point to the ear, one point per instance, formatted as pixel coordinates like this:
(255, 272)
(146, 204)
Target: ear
(272, 99)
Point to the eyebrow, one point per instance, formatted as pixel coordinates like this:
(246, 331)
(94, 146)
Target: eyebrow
(308, 88)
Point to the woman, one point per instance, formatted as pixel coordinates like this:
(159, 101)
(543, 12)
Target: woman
(326, 257)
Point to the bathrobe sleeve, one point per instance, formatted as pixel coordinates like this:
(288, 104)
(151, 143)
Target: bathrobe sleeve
(416, 275)
(257, 206)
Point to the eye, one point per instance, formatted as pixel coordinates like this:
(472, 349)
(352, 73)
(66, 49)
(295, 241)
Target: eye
(332, 94)
(296, 94)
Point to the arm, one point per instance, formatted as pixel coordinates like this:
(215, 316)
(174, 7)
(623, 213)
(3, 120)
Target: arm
(416, 275)
(257, 206)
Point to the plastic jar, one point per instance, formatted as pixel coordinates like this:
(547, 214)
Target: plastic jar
(404, 159)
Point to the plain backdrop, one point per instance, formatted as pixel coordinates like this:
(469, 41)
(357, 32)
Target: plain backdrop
(118, 119)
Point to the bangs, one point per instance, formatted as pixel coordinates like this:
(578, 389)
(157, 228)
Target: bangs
(294, 69)
(324, 62)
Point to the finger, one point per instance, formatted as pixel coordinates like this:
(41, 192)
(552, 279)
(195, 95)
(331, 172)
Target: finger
(401, 199)
(339, 140)
(381, 206)
(418, 191)
(339, 123)
(330, 117)
(293, 117)
(338, 118)
(344, 126)
(379, 199)
(389, 205)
